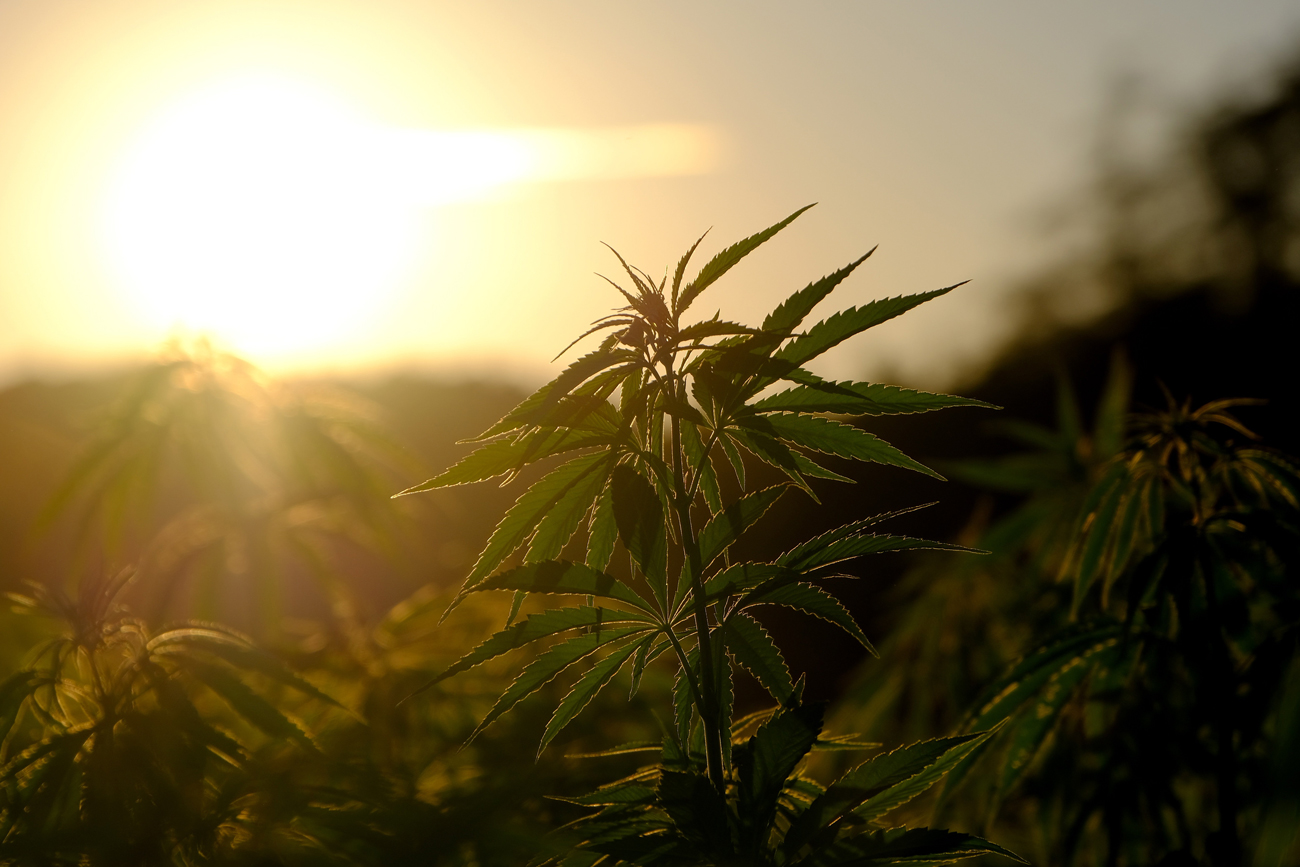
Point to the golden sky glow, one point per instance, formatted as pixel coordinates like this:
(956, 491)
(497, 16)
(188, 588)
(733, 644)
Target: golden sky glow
(270, 214)
(352, 185)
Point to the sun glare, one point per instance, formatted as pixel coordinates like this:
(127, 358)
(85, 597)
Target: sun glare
(274, 216)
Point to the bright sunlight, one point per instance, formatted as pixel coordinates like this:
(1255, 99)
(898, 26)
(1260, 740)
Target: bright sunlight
(270, 214)
(273, 215)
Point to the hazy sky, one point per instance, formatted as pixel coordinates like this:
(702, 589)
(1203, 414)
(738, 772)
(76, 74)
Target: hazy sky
(938, 130)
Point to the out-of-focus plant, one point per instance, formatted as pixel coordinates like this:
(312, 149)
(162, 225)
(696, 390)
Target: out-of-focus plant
(963, 620)
(1148, 585)
(121, 745)
(648, 422)
(218, 483)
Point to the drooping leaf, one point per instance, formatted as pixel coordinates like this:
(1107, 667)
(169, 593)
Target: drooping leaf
(877, 786)
(548, 665)
(734, 457)
(834, 438)
(532, 628)
(564, 576)
(817, 602)
(647, 652)
(754, 649)
(527, 512)
(587, 687)
(247, 703)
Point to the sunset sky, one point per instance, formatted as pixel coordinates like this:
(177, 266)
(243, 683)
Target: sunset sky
(358, 186)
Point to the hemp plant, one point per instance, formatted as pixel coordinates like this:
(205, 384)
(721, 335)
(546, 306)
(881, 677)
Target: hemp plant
(649, 422)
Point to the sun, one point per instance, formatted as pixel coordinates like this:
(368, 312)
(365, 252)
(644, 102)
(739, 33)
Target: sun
(261, 210)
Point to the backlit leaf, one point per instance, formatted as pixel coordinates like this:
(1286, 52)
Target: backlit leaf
(723, 262)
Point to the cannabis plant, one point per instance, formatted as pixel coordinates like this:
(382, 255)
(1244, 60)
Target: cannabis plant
(648, 426)
(123, 745)
(220, 485)
(1142, 714)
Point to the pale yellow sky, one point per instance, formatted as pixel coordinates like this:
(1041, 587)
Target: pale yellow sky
(934, 129)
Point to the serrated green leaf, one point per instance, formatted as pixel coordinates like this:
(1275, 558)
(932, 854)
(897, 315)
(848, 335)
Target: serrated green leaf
(861, 398)
(587, 688)
(680, 271)
(799, 555)
(615, 793)
(548, 665)
(726, 527)
(766, 763)
(713, 328)
(739, 577)
(817, 602)
(734, 457)
(683, 697)
(703, 465)
(564, 576)
(1026, 677)
(723, 262)
(527, 512)
(533, 628)
(754, 649)
(1112, 410)
(562, 519)
(603, 532)
(845, 324)
(904, 846)
(837, 551)
(834, 438)
(1124, 537)
(790, 313)
(877, 786)
(247, 703)
(640, 518)
(647, 652)
(1112, 491)
(546, 396)
(508, 456)
(1039, 717)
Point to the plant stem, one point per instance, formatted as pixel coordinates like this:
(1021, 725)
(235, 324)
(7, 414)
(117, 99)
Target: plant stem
(709, 705)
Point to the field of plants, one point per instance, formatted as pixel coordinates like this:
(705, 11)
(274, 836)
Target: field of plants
(686, 603)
